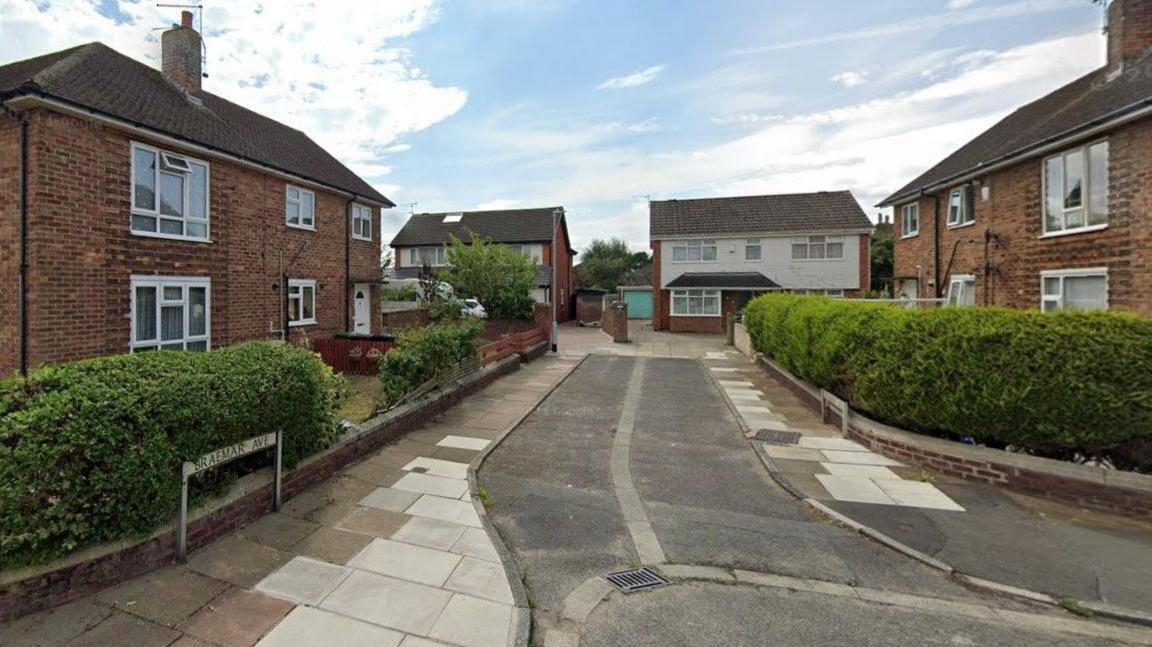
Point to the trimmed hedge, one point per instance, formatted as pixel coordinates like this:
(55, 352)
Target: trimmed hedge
(421, 354)
(1056, 384)
(90, 452)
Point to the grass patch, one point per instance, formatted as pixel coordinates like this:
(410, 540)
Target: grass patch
(1073, 606)
(485, 498)
(364, 396)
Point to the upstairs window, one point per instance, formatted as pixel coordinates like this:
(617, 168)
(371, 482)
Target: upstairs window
(301, 302)
(909, 220)
(361, 222)
(752, 249)
(420, 256)
(169, 194)
(960, 207)
(1076, 189)
(300, 208)
(694, 251)
(817, 248)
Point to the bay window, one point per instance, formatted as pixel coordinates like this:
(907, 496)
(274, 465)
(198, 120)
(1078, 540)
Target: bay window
(170, 313)
(695, 303)
(1080, 289)
(169, 194)
(301, 302)
(694, 251)
(1076, 189)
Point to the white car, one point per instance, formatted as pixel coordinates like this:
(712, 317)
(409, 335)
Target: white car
(472, 308)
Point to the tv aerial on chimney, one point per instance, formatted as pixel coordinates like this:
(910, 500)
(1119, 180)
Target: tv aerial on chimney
(200, 16)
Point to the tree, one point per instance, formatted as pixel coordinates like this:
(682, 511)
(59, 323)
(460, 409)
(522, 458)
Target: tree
(500, 278)
(609, 263)
(385, 263)
(882, 264)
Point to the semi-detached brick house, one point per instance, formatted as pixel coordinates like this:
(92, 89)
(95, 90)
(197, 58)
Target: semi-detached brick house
(710, 256)
(1049, 208)
(138, 211)
(533, 232)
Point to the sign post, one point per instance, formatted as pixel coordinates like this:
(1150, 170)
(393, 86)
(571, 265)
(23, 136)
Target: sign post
(215, 459)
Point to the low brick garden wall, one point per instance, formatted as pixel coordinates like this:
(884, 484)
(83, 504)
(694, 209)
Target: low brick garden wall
(1111, 491)
(24, 591)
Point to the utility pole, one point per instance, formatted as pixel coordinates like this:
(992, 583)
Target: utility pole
(556, 213)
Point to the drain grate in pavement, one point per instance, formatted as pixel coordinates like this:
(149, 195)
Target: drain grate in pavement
(637, 579)
(778, 437)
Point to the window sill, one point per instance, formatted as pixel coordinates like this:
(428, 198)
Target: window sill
(303, 227)
(693, 262)
(367, 240)
(710, 316)
(816, 260)
(301, 324)
(189, 239)
(1073, 232)
(962, 225)
(907, 236)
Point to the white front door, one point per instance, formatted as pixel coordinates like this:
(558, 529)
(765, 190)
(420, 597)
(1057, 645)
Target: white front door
(362, 310)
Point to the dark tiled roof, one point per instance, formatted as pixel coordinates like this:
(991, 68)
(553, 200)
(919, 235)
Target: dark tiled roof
(723, 280)
(797, 212)
(507, 226)
(98, 78)
(1080, 105)
(543, 275)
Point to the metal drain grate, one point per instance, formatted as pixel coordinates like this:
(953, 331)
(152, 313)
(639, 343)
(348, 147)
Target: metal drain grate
(778, 437)
(637, 579)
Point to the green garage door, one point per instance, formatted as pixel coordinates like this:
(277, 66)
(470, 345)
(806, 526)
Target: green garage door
(639, 303)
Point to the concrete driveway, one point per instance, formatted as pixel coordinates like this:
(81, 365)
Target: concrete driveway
(639, 461)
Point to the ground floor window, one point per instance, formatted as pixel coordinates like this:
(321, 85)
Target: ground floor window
(170, 313)
(1082, 289)
(696, 303)
(962, 290)
(301, 302)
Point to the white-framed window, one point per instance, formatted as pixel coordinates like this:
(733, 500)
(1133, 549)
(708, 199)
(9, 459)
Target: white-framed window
(1078, 289)
(830, 293)
(962, 290)
(960, 207)
(1076, 189)
(169, 194)
(694, 251)
(695, 303)
(299, 208)
(171, 313)
(909, 220)
(420, 256)
(817, 248)
(361, 222)
(301, 302)
(752, 250)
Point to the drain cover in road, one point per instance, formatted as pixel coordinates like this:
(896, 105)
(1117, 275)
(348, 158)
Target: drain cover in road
(637, 579)
(778, 437)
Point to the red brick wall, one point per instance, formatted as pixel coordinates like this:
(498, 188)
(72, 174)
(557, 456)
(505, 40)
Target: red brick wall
(865, 242)
(1016, 255)
(659, 296)
(9, 244)
(82, 253)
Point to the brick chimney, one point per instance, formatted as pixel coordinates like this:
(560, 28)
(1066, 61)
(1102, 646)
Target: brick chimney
(1129, 32)
(180, 54)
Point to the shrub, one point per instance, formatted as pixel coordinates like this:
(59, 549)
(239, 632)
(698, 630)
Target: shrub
(402, 293)
(421, 354)
(500, 278)
(1053, 383)
(91, 451)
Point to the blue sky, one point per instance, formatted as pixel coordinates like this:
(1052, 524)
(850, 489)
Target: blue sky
(597, 105)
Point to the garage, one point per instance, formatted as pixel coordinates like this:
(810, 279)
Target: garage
(639, 300)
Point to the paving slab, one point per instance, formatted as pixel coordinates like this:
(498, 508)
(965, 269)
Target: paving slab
(438, 467)
(390, 498)
(867, 471)
(464, 442)
(430, 484)
(308, 627)
(453, 510)
(280, 531)
(166, 597)
(332, 545)
(238, 617)
(303, 580)
(476, 543)
(387, 601)
(859, 489)
(793, 453)
(237, 561)
(858, 458)
(373, 521)
(54, 626)
(841, 444)
(432, 533)
(473, 622)
(406, 561)
(125, 629)
(482, 579)
(917, 494)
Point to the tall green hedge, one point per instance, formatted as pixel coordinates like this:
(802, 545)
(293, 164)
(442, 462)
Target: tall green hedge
(1053, 383)
(91, 451)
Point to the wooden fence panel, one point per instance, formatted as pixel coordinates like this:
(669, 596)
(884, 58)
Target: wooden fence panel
(352, 356)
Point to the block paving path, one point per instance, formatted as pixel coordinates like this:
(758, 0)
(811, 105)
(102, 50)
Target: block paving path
(387, 552)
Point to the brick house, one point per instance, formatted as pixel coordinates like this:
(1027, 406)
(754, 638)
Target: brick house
(138, 211)
(534, 232)
(1049, 208)
(711, 255)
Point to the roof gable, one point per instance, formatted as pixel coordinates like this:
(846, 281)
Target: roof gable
(503, 226)
(796, 212)
(101, 79)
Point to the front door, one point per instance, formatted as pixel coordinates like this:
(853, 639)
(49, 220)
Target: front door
(362, 311)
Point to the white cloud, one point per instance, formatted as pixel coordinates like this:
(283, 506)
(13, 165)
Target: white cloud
(496, 205)
(926, 23)
(650, 125)
(745, 118)
(960, 4)
(632, 80)
(331, 69)
(851, 79)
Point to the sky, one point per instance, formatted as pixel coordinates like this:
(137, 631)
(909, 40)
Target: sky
(600, 105)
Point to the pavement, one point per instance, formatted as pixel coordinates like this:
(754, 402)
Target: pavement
(390, 551)
(639, 461)
(576, 341)
(978, 529)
